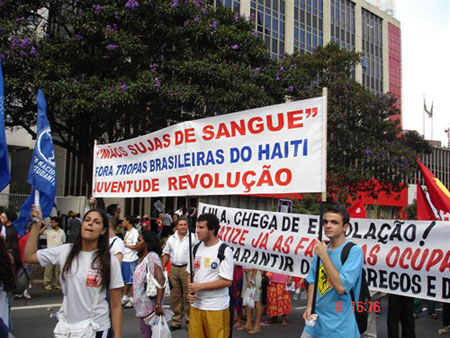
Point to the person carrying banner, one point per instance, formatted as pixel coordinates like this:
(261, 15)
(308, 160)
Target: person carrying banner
(209, 292)
(177, 250)
(400, 312)
(335, 317)
(252, 279)
(88, 271)
(445, 319)
(278, 298)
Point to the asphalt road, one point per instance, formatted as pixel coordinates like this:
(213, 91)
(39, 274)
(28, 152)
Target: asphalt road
(31, 320)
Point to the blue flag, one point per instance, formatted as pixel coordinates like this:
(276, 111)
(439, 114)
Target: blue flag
(5, 175)
(42, 171)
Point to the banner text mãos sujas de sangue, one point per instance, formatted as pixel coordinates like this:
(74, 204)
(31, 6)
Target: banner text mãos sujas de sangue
(271, 149)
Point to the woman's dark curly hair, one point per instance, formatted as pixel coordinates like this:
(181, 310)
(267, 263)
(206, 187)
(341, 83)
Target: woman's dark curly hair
(152, 241)
(7, 278)
(102, 258)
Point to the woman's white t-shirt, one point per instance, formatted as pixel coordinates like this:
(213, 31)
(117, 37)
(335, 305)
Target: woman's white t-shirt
(116, 245)
(80, 284)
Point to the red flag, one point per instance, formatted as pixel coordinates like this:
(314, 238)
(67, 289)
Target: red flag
(357, 210)
(439, 194)
(424, 211)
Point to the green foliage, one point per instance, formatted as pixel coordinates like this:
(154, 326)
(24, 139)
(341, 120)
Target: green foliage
(411, 210)
(363, 141)
(113, 70)
(118, 69)
(308, 205)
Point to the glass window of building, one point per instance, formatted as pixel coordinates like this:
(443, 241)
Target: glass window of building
(342, 23)
(269, 19)
(308, 25)
(372, 46)
(233, 4)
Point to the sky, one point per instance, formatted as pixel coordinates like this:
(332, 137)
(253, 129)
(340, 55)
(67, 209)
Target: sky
(425, 26)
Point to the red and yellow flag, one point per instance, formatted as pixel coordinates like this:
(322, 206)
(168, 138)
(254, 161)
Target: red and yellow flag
(424, 211)
(439, 194)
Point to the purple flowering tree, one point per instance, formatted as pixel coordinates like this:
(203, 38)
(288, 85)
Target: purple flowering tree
(112, 70)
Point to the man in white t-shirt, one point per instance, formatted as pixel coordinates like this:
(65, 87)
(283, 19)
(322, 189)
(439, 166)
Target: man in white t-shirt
(116, 246)
(55, 237)
(130, 258)
(177, 250)
(208, 294)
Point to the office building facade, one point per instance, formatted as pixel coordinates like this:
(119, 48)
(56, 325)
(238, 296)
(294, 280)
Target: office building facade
(289, 26)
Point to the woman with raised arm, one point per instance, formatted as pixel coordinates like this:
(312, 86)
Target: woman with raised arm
(88, 271)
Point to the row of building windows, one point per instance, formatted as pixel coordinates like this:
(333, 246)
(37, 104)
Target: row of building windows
(308, 25)
(372, 48)
(269, 18)
(342, 23)
(233, 4)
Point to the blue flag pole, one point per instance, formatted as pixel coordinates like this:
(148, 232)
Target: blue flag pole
(42, 171)
(5, 175)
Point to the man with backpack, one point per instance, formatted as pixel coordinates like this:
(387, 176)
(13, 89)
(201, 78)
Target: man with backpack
(213, 274)
(339, 281)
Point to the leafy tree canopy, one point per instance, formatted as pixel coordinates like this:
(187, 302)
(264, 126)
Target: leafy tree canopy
(112, 70)
(116, 69)
(364, 142)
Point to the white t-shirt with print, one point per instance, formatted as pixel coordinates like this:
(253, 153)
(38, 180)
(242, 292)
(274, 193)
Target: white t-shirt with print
(207, 268)
(116, 245)
(79, 285)
(131, 238)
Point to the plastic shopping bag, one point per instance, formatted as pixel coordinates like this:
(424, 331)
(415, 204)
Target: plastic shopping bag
(249, 298)
(161, 329)
(167, 288)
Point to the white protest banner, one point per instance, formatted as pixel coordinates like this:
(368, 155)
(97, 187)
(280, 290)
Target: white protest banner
(275, 149)
(410, 258)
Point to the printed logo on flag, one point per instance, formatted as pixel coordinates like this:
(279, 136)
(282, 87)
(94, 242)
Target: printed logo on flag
(44, 145)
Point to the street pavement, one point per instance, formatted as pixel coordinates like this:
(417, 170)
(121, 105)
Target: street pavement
(31, 319)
